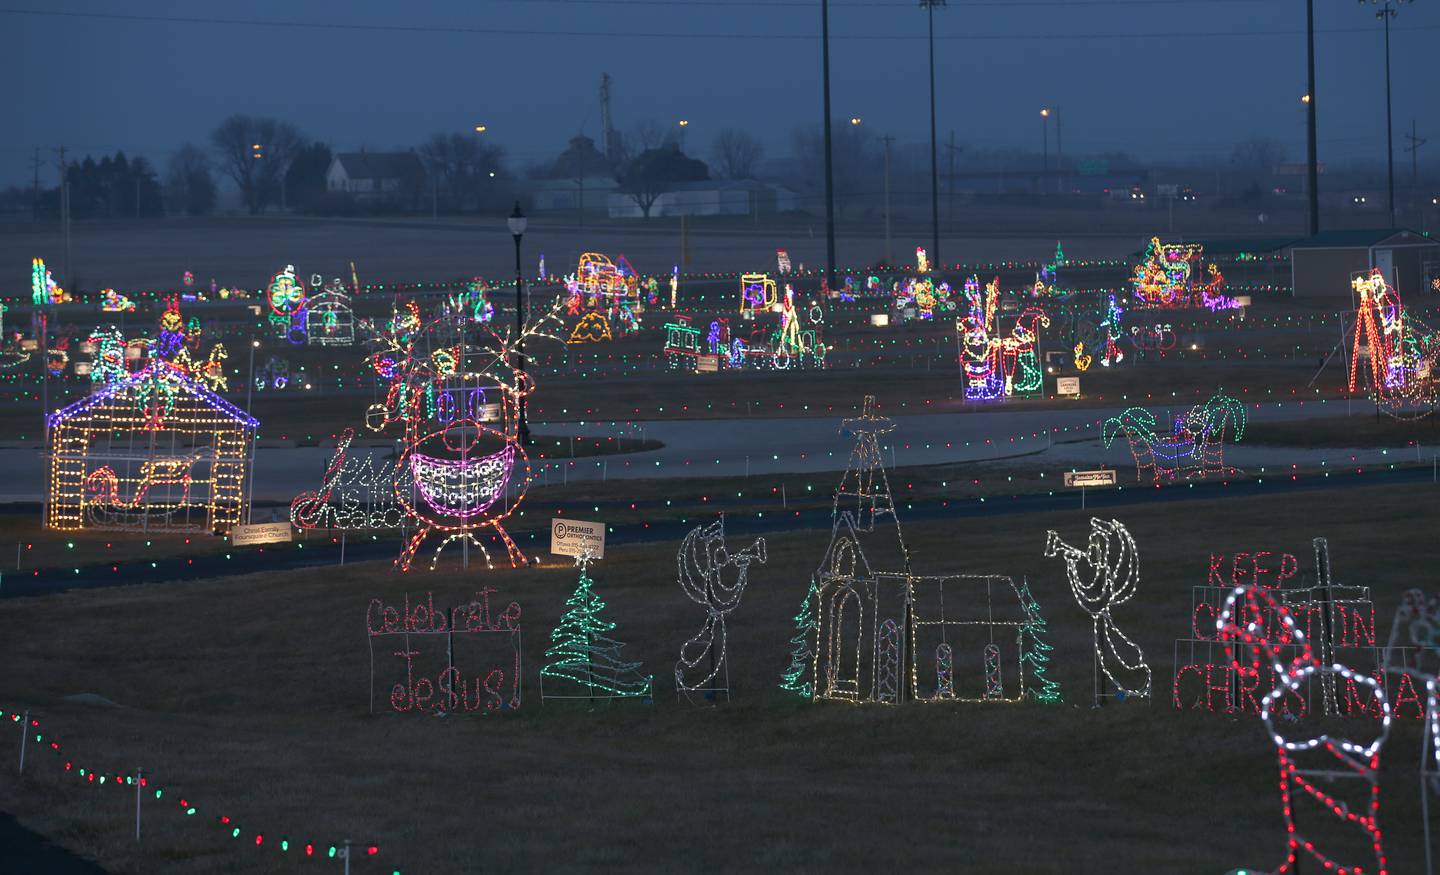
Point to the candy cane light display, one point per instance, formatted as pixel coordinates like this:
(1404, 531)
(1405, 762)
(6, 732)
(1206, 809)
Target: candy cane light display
(1311, 755)
(1102, 576)
(457, 395)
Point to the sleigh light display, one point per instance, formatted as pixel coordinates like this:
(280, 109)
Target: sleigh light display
(1195, 446)
(1174, 275)
(452, 388)
(151, 451)
(1393, 355)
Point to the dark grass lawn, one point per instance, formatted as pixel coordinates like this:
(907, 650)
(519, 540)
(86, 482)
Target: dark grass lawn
(249, 695)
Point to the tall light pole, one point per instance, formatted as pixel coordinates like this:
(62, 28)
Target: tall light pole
(929, 7)
(684, 123)
(1313, 165)
(829, 162)
(517, 223)
(1388, 10)
(1044, 145)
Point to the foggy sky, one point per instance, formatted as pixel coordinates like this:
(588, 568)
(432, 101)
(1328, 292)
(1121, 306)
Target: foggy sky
(99, 85)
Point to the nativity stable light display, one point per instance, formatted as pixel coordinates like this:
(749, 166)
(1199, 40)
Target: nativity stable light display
(155, 450)
(1104, 575)
(584, 660)
(703, 562)
(1195, 446)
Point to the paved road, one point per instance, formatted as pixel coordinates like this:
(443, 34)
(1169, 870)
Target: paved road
(734, 447)
(23, 852)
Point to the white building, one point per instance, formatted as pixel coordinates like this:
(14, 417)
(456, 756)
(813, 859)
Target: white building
(372, 176)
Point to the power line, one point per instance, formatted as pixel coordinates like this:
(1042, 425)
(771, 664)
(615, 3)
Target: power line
(591, 34)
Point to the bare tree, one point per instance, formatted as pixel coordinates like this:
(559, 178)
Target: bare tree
(650, 135)
(655, 171)
(1261, 154)
(735, 154)
(256, 153)
(464, 167)
(189, 185)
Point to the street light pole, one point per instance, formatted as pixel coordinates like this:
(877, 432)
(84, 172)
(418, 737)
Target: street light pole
(1313, 168)
(829, 163)
(1044, 146)
(1388, 11)
(929, 6)
(517, 223)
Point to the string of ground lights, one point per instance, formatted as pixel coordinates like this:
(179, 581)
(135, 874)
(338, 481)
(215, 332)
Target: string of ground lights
(142, 788)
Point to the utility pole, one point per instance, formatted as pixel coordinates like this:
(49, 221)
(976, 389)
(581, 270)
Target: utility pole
(954, 150)
(1313, 168)
(829, 160)
(1059, 154)
(887, 140)
(1414, 149)
(934, 163)
(65, 215)
(35, 188)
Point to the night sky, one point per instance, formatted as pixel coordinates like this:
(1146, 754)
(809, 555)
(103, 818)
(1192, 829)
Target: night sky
(1164, 79)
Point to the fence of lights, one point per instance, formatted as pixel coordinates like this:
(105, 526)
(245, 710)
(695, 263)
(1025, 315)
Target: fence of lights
(355, 493)
(882, 635)
(1338, 623)
(447, 378)
(453, 660)
(152, 451)
(995, 365)
(330, 317)
(286, 296)
(583, 662)
(1317, 769)
(703, 562)
(1394, 357)
(142, 787)
(1195, 446)
(1102, 576)
(1175, 275)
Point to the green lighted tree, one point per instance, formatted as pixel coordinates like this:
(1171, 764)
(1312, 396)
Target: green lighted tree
(802, 657)
(581, 652)
(1034, 650)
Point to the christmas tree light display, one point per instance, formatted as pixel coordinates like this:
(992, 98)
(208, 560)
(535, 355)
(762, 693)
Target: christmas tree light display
(1195, 447)
(155, 450)
(1258, 650)
(1035, 651)
(1401, 355)
(1102, 576)
(43, 290)
(583, 658)
(796, 677)
(703, 560)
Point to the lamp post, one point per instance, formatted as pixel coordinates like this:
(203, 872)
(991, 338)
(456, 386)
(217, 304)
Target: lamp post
(1044, 145)
(829, 160)
(517, 223)
(1312, 169)
(683, 123)
(929, 7)
(1388, 10)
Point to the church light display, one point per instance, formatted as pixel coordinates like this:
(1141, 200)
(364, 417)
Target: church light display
(703, 563)
(583, 662)
(1320, 817)
(330, 317)
(1102, 576)
(455, 389)
(155, 450)
(1195, 446)
(1175, 275)
(1394, 357)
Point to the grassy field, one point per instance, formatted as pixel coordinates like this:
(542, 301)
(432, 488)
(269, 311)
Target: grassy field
(249, 695)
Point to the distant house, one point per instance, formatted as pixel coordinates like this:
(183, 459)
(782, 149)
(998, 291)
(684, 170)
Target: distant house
(567, 194)
(716, 197)
(1323, 265)
(374, 176)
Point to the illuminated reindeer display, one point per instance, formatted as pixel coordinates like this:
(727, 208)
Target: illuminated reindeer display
(457, 390)
(702, 562)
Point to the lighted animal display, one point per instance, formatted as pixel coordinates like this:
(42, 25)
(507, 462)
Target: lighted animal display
(1195, 446)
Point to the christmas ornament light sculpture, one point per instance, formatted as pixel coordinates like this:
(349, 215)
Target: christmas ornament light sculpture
(152, 451)
(1195, 447)
(583, 658)
(1102, 576)
(702, 562)
(1241, 626)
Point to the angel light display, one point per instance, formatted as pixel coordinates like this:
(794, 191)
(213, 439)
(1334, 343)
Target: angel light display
(702, 563)
(1393, 355)
(1324, 823)
(1102, 576)
(457, 388)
